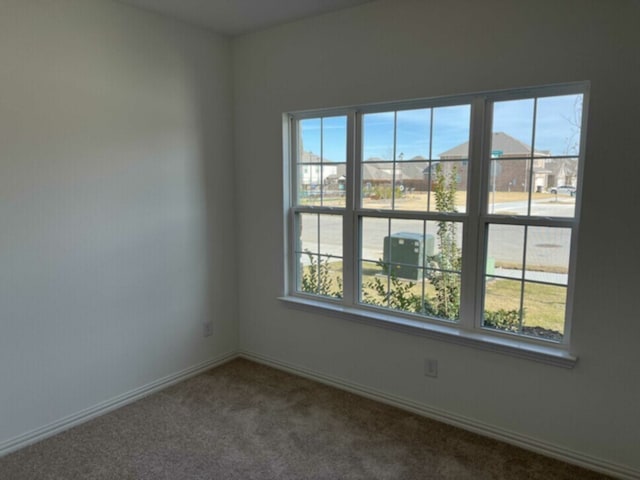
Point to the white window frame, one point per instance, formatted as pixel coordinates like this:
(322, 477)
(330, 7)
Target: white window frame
(468, 330)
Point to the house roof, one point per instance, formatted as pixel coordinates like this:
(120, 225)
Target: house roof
(404, 171)
(310, 157)
(373, 172)
(510, 147)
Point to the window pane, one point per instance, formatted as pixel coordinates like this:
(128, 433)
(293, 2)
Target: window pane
(374, 284)
(509, 186)
(319, 275)
(416, 186)
(319, 254)
(444, 245)
(330, 235)
(334, 184)
(309, 184)
(412, 136)
(558, 123)
(559, 199)
(557, 132)
(389, 291)
(443, 251)
(505, 250)
(413, 187)
(512, 128)
(442, 299)
(548, 254)
(332, 278)
(322, 154)
(309, 144)
(451, 132)
(448, 185)
(307, 228)
(404, 248)
(544, 311)
(547, 260)
(319, 234)
(374, 232)
(334, 139)
(406, 294)
(378, 135)
(502, 304)
(377, 181)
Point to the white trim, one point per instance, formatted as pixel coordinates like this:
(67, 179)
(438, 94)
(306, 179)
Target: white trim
(465, 423)
(107, 406)
(499, 342)
(469, 424)
(475, 220)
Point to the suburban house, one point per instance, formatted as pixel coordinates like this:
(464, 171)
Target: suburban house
(510, 171)
(144, 208)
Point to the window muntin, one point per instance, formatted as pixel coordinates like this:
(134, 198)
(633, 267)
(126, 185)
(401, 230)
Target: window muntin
(526, 279)
(403, 266)
(321, 161)
(319, 203)
(399, 165)
(535, 148)
(533, 174)
(319, 254)
(395, 229)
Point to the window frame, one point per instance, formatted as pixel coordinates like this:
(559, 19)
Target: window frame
(475, 220)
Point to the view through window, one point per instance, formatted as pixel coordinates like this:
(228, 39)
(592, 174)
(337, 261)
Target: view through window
(459, 210)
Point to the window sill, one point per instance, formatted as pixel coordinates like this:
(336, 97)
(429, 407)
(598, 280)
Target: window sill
(508, 346)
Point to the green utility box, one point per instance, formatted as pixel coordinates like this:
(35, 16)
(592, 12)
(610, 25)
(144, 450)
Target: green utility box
(406, 251)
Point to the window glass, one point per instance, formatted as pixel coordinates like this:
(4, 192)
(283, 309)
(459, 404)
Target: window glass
(398, 245)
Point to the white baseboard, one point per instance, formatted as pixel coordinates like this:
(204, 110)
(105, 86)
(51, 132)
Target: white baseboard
(535, 445)
(101, 408)
(469, 424)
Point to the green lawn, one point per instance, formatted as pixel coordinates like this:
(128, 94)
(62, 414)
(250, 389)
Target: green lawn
(544, 305)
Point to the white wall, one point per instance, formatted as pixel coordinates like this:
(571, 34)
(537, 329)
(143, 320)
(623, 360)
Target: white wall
(116, 237)
(403, 49)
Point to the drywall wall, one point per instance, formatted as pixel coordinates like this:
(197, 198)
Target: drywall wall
(115, 229)
(402, 49)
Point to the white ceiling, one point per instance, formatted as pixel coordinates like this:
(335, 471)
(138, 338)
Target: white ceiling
(234, 17)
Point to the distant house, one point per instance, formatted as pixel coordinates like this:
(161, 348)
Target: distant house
(409, 174)
(509, 170)
(315, 172)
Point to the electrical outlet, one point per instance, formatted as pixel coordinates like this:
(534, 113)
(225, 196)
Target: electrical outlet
(207, 329)
(431, 367)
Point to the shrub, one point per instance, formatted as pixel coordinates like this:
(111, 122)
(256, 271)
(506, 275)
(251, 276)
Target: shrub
(446, 302)
(397, 295)
(316, 278)
(507, 320)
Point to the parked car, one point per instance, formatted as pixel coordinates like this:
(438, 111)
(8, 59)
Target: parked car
(564, 189)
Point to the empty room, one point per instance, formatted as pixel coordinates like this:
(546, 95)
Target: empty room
(322, 239)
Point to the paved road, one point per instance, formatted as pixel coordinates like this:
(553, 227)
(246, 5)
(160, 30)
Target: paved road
(548, 247)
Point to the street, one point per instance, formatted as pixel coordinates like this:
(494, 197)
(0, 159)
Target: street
(547, 248)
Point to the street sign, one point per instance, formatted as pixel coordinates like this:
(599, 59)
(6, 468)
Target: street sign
(496, 153)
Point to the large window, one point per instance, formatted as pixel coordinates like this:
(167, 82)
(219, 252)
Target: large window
(457, 211)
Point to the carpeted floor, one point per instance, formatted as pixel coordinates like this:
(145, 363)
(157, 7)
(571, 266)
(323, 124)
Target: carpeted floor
(247, 421)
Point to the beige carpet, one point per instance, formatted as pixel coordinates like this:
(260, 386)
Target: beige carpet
(246, 421)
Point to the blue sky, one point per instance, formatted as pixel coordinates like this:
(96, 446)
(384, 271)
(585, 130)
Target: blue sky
(556, 129)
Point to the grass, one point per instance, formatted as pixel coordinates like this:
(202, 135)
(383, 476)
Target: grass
(544, 305)
(531, 267)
